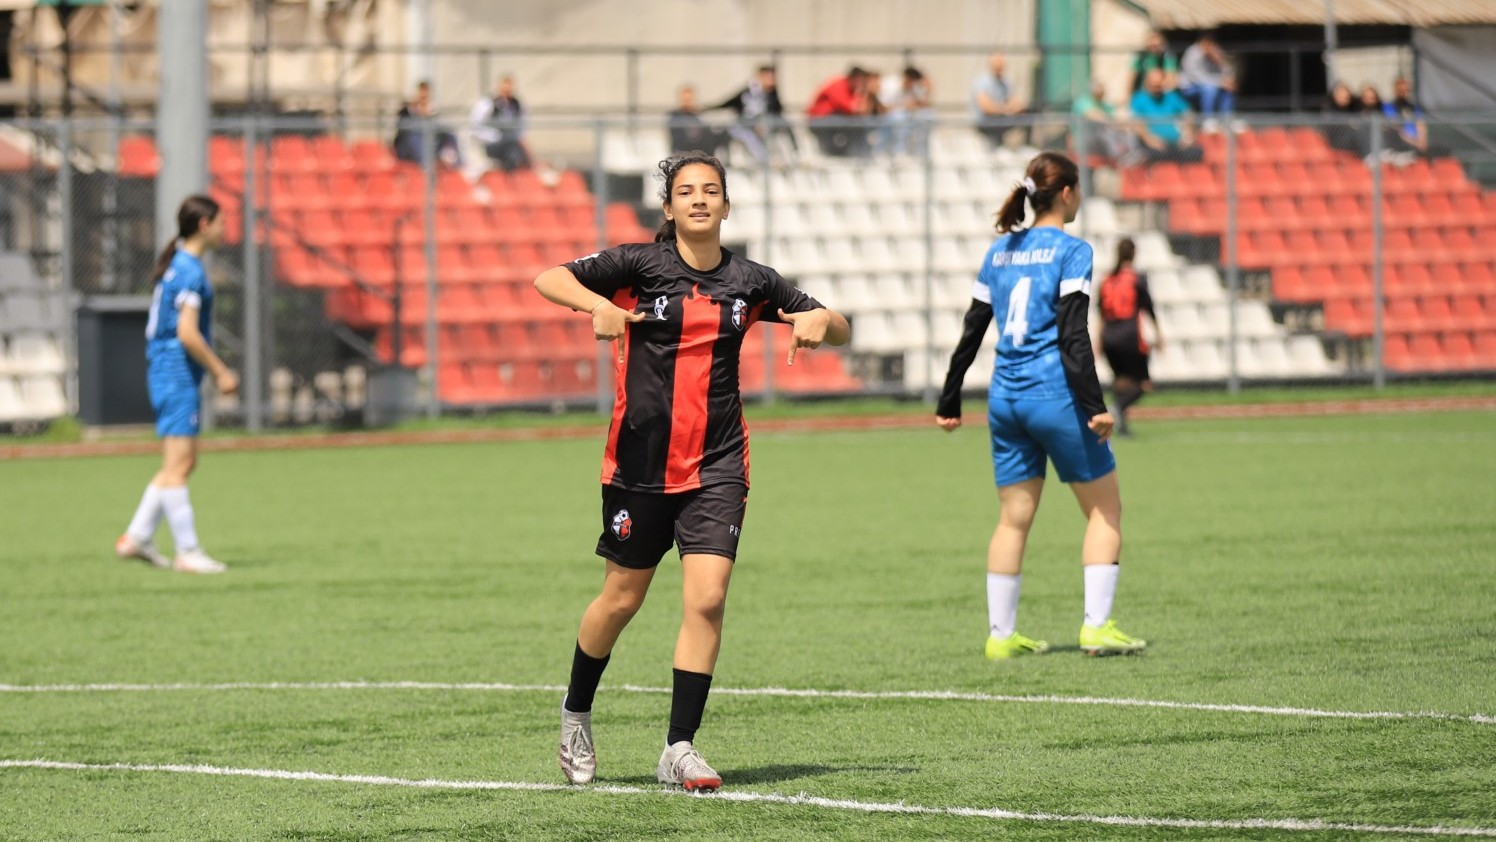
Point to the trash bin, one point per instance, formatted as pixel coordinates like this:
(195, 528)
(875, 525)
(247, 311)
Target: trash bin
(390, 395)
(111, 360)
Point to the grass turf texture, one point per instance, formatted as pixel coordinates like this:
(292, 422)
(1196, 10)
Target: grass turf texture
(1338, 563)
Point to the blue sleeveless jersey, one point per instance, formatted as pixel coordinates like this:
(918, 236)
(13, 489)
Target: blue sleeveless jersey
(1023, 277)
(184, 284)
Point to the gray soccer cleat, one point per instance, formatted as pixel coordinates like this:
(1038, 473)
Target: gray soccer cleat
(128, 548)
(683, 766)
(578, 757)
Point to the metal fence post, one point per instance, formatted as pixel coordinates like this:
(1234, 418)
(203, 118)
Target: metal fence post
(767, 173)
(1233, 271)
(254, 375)
(927, 393)
(605, 352)
(1379, 371)
(69, 283)
(428, 166)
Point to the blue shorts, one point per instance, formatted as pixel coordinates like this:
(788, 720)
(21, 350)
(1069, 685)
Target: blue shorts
(1025, 431)
(177, 405)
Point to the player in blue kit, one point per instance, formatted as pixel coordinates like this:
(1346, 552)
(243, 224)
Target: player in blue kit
(179, 351)
(1044, 404)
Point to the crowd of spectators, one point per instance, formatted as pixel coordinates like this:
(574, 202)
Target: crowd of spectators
(1169, 102)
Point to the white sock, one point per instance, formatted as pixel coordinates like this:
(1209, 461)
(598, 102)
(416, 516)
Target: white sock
(1002, 603)
(1101, 588)
(147, 516)
(179, 517)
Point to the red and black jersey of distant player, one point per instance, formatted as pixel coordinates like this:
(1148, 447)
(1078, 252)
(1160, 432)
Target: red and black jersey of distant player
(678, 415)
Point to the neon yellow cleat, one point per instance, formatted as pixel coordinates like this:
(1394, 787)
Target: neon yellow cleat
(1109, 640)
(1012, 646)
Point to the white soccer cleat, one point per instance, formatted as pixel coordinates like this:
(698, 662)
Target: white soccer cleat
(683, 766)
(578, 757)
(197, 561)
(128, 548)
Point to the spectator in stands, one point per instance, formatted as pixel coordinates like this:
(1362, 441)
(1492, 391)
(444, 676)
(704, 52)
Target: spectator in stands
(1124, 299)
(409, 133)
(760, 114)
(499, 124)
(1347, 134)
(179, 351)
(908, 103)
(1207, 80)
(1162, 121)
(992, 100)
(1412, 131)
(839, 115)
(1155, 55)
(688, 132)
(1105, 136)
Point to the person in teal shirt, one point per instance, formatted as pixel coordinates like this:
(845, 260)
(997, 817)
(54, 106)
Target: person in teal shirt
(1163, 120)
(1103, 134)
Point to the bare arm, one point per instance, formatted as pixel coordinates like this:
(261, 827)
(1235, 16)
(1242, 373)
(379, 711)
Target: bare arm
(609, 322)
(813, 327)
(197, 348)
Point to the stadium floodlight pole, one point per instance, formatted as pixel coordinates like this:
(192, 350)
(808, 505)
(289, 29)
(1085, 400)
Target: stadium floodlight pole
(116, 117)
(182, 115)
(1233, 271)
(1378, 302)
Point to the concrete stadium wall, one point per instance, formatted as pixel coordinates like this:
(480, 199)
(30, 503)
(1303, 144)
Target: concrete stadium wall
(847, 29)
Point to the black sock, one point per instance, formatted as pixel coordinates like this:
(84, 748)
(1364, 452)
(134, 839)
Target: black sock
(686, 705)
(1128, 397)
(586, 672)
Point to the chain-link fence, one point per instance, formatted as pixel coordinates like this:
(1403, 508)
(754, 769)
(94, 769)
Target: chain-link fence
(1285, 250)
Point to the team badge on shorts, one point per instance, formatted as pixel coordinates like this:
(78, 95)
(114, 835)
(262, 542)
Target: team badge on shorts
(739, 313)
(623, 525)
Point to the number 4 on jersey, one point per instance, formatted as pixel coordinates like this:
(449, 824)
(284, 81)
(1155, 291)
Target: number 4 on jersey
(1016, 323)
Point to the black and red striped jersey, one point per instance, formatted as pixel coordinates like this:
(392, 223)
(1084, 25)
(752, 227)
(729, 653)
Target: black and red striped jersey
(678, 415)
(1124, 298)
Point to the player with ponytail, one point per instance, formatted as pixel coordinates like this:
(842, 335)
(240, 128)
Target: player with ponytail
(1044, 403)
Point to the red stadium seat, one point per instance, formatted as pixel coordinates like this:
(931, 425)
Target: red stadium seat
(138, 157)
(1485, 349)
(1459, 351)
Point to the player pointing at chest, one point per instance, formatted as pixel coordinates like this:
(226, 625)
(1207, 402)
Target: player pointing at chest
(675, 467)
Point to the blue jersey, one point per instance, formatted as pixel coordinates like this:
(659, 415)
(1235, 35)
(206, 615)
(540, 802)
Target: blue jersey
(1023, 277)
(185, 284)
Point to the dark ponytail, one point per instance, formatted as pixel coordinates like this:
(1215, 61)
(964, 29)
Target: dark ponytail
(190, 217)
(1126, 251)
(1047, 175)
(669, 169)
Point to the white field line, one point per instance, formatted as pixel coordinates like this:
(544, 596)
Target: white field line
(778, 692)
(1309, 825)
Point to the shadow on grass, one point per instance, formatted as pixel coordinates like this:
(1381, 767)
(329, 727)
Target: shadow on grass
(770, 774)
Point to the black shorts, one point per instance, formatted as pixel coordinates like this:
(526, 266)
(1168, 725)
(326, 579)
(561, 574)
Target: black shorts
(640, 526)
(1127, 362)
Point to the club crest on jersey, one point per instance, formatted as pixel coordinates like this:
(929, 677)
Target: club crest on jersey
(739, 314)
(623, 525)
(660, 307)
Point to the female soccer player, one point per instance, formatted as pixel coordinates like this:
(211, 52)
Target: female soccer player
(1045, 402)
(1124, 300)
(676, 464)
(178, 351)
